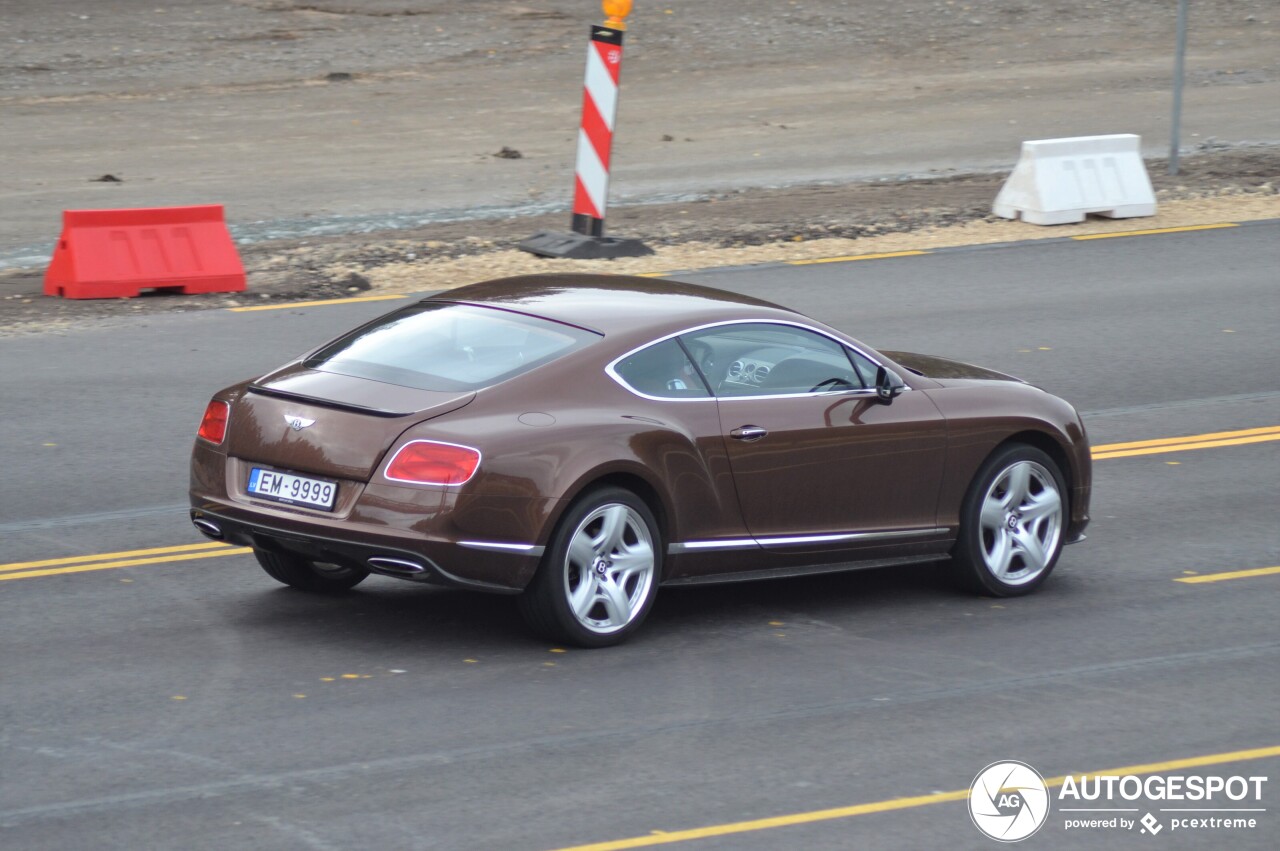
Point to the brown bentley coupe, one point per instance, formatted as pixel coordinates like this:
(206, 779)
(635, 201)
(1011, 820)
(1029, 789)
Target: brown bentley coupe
(581, 440)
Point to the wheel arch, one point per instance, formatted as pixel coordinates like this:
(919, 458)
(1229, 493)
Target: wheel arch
(629, 479)
(547, 603)
(1049, 446)
(971, 562)
(642, 488)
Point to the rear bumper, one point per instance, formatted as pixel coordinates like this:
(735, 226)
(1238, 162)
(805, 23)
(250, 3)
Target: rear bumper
(495, 567)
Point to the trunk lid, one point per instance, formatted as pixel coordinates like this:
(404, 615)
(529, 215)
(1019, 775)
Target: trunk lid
(336, 426)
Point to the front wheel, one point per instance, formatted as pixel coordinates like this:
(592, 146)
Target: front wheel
(298, 572)
(1011, 523)
(600, 575)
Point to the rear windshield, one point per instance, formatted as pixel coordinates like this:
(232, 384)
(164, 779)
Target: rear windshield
(444, 346)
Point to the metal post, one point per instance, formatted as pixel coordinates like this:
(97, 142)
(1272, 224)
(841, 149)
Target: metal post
(1179, 62)
(595, 135)
(595, 142)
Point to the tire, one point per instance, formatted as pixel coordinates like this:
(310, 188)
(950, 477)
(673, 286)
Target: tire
(599, 576)
(298, 572)
(1012, 523)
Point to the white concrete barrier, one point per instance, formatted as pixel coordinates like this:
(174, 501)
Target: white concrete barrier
(1057, 181)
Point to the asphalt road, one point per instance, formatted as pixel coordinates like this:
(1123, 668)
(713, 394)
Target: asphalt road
(195, 704)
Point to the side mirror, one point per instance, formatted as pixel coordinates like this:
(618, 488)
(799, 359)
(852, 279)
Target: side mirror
(889, 385)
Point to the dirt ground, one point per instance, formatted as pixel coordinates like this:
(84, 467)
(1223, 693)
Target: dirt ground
(750, 131)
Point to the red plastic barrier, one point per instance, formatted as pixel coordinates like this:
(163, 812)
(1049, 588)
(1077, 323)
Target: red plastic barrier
(118, 253)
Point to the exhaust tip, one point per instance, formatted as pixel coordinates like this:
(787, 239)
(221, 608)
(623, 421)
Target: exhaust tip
(213, 530)
(398, 566)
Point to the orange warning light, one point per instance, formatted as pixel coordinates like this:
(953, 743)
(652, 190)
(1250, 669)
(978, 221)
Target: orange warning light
(617, 11)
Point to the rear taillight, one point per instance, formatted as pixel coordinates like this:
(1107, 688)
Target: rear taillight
(213, 427)
(429, 462)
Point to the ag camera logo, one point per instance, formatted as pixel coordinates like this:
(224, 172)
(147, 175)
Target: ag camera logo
(1008, 801)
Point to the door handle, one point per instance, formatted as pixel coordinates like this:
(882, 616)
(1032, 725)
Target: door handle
(748, 433)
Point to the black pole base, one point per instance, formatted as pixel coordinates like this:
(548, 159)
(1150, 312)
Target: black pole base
(577, 246)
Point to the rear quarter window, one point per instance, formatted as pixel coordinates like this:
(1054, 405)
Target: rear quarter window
(662, 370)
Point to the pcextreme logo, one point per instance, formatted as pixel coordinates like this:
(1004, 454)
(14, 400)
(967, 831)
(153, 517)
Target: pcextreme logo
(1009, 801)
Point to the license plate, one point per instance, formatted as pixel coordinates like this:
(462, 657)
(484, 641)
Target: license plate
(291, 489)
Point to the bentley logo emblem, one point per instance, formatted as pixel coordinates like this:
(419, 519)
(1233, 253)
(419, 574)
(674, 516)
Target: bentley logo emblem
(298, 423)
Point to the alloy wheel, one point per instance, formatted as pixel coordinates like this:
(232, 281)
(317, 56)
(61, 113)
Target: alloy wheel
(1020, 523)
(609, 568)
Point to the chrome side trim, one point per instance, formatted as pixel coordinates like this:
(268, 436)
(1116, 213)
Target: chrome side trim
(501, 547)
(612, 372)
(802, 540)
(797, 540)
(710, 546)
(862, 392)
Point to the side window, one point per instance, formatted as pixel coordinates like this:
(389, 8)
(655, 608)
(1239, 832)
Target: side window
(662, 370)
(865, 368)
(764, 359)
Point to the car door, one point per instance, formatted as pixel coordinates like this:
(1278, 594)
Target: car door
(819, 462)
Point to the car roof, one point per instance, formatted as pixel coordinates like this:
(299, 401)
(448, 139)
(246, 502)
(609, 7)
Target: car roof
(615, 304)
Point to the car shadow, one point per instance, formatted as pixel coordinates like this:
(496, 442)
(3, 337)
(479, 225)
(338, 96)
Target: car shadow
(383, 613)
(834, 594)
(386, 613)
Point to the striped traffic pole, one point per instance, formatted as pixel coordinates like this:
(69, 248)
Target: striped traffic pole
(595, 141)
(595, 134)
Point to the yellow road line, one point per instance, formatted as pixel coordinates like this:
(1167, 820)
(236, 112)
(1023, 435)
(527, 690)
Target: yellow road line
(850, 257)
(320, 303)
(155, 551)
(87, 565)
(917, 253)
(1180, 444)
(660, 838)
(1182, 229)
(185, 552)
(1233, 574)
(1211, 444)
(1192, 438)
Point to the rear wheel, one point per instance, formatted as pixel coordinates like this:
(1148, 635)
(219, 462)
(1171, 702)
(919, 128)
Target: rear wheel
(599, 577)
(306, 575)
(1011, 523)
